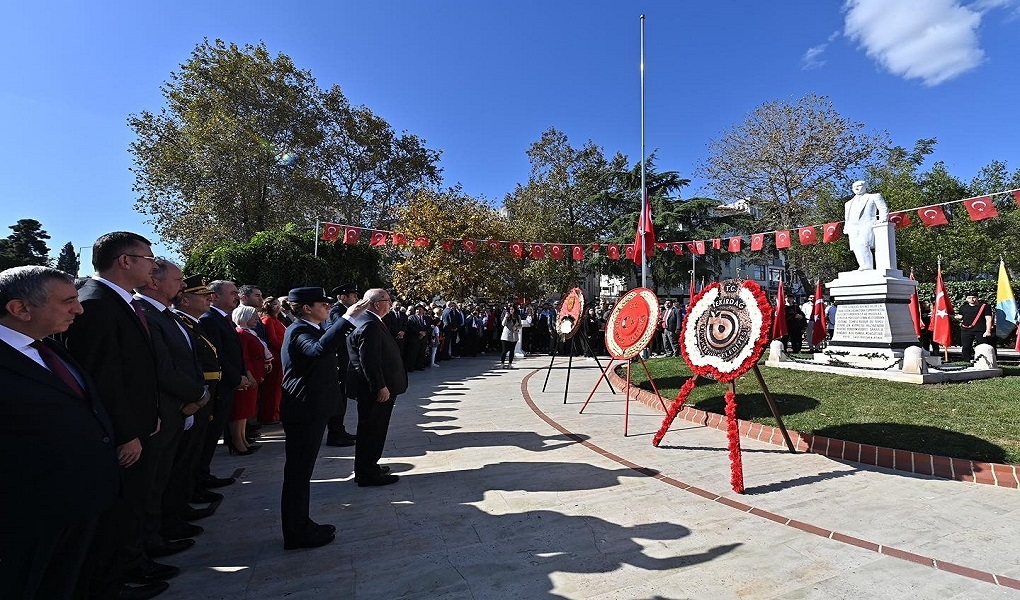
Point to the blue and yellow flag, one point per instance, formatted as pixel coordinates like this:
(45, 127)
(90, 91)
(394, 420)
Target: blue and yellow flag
(1005, 305)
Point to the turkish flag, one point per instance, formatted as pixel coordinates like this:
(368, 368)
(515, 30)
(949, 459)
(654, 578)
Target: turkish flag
(699, 246)
(980, 208)
(734, 244)
(330, 232)
(900, 219)
(577, 251)
(915, 308)
(831, 232)
(757, 241)
(351, 235)
(517, 249)
(818, 316)
(470, 245)
(595, 247)
(538, 251)
(932, 216)
(677, 248)
(782, 239)
(1016, 197)
(628, 251)
(556, 251)
(613, 251)
(421, 242)
(939, 325)
(807, 235)
(717, 244)
(644, 236)
(447, 245)
(378, 238)
(779, 328)
(661, 246)
(494, 244)
(399, 239)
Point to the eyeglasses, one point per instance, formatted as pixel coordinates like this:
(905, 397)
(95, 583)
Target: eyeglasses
(152, 258)
(383, 300)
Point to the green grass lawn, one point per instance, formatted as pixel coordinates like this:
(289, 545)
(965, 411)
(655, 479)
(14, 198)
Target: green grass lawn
(978, 420)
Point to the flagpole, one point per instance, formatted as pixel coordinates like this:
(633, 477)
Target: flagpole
(316, 253)
(644, 191)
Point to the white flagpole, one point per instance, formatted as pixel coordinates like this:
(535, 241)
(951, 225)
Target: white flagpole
(316, 237)
(644, 190)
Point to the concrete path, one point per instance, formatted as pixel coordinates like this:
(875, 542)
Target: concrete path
(508, 493)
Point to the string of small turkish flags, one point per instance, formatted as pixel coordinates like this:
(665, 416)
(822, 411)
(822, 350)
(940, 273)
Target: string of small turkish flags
(933, 215)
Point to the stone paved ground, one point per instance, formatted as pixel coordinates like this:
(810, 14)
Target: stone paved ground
(506, 492)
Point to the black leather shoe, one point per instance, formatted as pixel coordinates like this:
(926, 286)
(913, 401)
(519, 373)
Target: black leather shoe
(383, 469)
(141, 592)
(205, 497)
(212, 482)
(168, 547)
(314, 538)
(151, 571)
(194, 514)
(340, 442)
(378, 480)
(181, 530)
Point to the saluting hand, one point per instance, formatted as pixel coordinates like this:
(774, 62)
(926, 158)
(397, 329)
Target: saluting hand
(358, 308)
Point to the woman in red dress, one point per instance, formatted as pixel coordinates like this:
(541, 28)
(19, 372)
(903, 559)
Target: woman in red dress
(271, 388)
(255, 354)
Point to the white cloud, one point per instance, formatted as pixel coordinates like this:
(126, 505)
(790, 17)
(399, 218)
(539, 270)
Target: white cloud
(812, 56)
(930, 40)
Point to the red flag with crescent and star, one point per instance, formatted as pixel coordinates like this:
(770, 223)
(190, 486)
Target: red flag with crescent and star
(900, 219)
(980, 208)
(517, 249)
(351, 235)
(782, 239)
(399, 239)
(717, 244)
(831, 232)
(595, 247)
(537, 251)
(644, 237)
(932, 216)
(807, 235)
(470, 245)
(779, 328)
(447, 245)
(330, 232)
(734, 244)
(577, 252)
(757, 241)
(939, 326)
(628, 251)
(818, 316)
(421, 242)
(677, 248)
(378, 238)
(613, 251)
(556, 251)
(494, 244)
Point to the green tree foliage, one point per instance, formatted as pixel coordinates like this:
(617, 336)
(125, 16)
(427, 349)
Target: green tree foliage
(26, 246)
(68, 261)
(281, 259)
(248, 142)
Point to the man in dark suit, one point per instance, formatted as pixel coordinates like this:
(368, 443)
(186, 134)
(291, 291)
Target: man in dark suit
(223, 334)
(378, 376)
(311, 392)
(61, 469)
(337, 435)
(417, 335)
(182, 394)
(111, 341)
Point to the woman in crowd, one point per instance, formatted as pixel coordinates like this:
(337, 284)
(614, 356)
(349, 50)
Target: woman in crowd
(271, 388)
(434, 341)
(255, 355)
(511, 333)
(590, 329)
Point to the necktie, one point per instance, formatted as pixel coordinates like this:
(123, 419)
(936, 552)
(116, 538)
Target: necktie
(57, 367)
(135, 304)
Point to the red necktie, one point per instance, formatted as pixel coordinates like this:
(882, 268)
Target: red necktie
(135, 304)
(57, 367)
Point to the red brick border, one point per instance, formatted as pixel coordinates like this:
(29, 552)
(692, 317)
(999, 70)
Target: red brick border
(900, 460)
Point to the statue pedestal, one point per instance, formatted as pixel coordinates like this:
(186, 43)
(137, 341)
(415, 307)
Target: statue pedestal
(873, 323)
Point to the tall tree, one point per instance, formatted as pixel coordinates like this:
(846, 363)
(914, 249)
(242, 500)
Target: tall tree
(68, 261)
(26, 246)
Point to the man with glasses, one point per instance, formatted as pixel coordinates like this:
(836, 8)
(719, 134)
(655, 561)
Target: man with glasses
(111, 340)
(377, 376)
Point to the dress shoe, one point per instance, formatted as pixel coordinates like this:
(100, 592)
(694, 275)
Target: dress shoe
(382, 471)
(194, 514)
(212, 482)
(201, 496)
(234, 451)
(311, 539)
(340, 442)
(164, 547)
(180, 530)
(377, 480)
(141, 592)
(151, 571)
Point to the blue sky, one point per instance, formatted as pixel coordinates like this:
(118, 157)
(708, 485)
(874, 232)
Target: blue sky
(482, 80)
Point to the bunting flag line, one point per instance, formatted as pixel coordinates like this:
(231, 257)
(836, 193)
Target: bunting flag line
(699, 247)
(933, 216)
(678, 248)
(980, 208)
(832, 232)
(595, 247)
(1006, 316)
(717, 244)
(517, 249)
(537, 251)
(613, 251)
(733, 245)
(351, 235)
(629, 252)
(378, 238)
(807, 236)
(447, 245)
(782, 239)
(494, 244)
(330, 232)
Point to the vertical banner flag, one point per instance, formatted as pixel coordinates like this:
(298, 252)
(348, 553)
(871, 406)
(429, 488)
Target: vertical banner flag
(782, 239)
(644, 238)
(818, 316)
(932, 216)
(779, 328)
(734, 244)
(915, 308)
(757, 241)
(831, 233)
(1005, 305)
(940, 333)
(351, 235)
(330, 232)
(980, 208)
(807, 235)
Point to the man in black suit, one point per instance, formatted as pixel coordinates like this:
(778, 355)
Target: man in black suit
(111, 341)
(182, 394)
(417, 336)
(311, 392)
(223, 334)
(60, 471)
(337, 435)
(378, 376)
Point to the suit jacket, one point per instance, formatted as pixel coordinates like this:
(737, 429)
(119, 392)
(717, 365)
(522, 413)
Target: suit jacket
(223, 334)
(376, 360)
(111, 344)
(59, 456)
(672, 320)
(311, 388)
(180, 377)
